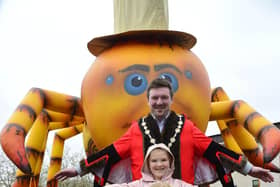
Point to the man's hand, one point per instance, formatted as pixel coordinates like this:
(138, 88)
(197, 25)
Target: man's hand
(261, 173)
(65, 174)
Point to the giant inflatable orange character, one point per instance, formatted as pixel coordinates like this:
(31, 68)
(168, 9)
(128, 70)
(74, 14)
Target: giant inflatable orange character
(113, 94)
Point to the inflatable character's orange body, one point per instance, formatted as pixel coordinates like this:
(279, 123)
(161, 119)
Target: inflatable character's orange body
(113, 94)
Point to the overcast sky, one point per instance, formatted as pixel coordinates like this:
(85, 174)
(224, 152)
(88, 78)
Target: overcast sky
(43, 44)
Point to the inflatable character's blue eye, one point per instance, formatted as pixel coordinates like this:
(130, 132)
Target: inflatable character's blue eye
(109, 79)
(188, 74)
(135, 84)
(172, 79)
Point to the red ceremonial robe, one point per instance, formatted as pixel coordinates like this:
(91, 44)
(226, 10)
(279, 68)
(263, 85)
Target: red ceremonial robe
(184, 139)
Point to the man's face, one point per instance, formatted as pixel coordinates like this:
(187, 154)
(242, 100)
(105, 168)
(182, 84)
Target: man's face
(159, 102)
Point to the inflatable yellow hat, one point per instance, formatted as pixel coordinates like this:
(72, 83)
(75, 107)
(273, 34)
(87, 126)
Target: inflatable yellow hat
(141, 20)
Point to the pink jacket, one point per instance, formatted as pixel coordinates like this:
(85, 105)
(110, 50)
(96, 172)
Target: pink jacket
(147, 179)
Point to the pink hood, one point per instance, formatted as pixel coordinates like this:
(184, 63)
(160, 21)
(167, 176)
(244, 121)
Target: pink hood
(147, 179)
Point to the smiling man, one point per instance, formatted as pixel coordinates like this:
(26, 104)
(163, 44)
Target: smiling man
(184, 139)
(159, 103)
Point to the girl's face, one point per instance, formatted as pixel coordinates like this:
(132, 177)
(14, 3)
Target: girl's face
(159, 163)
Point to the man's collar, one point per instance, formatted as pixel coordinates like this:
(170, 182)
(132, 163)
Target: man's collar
(167, 115)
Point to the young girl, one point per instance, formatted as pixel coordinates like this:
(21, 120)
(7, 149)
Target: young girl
(157, 170)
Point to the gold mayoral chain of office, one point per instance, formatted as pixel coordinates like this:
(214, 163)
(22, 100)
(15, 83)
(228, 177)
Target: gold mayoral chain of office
(172, 139)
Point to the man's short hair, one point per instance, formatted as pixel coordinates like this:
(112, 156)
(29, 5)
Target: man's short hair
(160, 83)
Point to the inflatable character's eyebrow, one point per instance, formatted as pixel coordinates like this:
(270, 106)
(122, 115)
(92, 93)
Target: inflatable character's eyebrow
(159, 67)
(139, 67)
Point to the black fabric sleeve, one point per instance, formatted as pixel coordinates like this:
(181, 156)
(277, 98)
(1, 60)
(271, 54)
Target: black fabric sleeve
(217, 155)
(104, 159)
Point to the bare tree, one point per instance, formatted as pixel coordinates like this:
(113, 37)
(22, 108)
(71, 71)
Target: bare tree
(69, 159)
(44, 170)
(8, 170)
